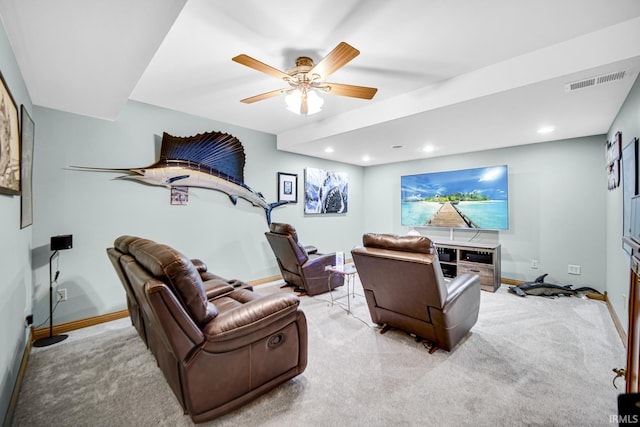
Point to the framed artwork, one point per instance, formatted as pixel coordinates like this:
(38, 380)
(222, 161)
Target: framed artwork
(613, 175)
(9, 142)
(325, 192)
(287, 187)
(180, 195)
(629, 185)
(27, 138)
(613, 153)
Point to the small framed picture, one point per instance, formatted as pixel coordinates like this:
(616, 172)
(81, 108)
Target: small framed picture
(179, 195)
(287, 187)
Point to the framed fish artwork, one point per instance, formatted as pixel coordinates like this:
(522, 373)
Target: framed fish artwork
(212, 160)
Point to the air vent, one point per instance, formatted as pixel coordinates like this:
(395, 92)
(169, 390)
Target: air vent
(594, 81)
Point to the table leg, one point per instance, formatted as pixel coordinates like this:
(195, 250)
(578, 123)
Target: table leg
(329, 286)
(348, 279)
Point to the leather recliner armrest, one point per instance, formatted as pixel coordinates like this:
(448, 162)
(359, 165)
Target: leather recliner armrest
(250, 317)
(459, 286)
(310, 249)
(318, 262)
(207, 275)
(214, 288)
(199, 265)
(460, 310)
(314, 268)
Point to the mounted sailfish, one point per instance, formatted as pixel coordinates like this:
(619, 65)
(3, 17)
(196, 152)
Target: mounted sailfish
(213, 160)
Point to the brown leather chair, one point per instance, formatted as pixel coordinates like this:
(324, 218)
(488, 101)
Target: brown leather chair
(405, 288)
(121, 247)
(135, 312)
(300, 267)
(219, 345)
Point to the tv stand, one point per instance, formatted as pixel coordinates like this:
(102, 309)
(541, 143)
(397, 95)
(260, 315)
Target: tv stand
(482, 259)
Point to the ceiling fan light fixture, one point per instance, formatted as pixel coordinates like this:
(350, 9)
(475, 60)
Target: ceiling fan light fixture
(294, 102)
(306, 78)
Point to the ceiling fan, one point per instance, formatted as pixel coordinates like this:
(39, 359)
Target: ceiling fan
(307, 76)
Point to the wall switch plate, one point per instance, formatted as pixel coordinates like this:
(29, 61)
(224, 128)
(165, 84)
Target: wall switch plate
(573, 269)
(534, 263)
(62, 294)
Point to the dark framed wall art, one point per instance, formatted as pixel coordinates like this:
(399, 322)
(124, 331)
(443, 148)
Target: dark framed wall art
(27, 139)
(9, 142)
(287, 187)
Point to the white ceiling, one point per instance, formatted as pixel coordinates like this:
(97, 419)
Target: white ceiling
(456, 75)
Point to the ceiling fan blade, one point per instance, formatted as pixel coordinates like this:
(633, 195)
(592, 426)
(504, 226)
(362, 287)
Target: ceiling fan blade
(260, 66)
(262, 96)
(336, 59)
(350, 90)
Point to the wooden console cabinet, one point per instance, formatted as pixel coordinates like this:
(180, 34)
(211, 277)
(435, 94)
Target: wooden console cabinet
(482, 259)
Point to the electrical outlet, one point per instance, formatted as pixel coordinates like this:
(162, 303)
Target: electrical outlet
(534, 263)
(62, 294)
(573, 269)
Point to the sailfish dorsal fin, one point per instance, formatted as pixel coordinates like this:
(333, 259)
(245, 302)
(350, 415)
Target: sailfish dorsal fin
(217, 150)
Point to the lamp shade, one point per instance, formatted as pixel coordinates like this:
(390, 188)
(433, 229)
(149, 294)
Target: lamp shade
(294, 102)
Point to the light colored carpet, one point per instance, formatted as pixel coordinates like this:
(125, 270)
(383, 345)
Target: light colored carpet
(528, 361)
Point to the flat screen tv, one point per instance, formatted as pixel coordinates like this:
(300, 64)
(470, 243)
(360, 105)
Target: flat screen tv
(469, 198)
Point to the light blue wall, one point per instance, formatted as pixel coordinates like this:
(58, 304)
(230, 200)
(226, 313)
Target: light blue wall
(15, 252)
(95, 208)
(628, 123)
(560, 211)
(556, 207)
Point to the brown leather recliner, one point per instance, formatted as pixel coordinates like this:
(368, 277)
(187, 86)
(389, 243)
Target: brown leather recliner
(219, 346)
(135, 312)
(405, 288)
(300, 267)
(212, 287)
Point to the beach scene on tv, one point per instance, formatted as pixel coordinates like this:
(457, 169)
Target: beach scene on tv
(469, 198)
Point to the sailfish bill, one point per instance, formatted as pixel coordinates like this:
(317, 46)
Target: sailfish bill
(212, 160)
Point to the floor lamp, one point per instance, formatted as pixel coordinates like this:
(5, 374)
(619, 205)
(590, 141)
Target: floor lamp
(57, 243)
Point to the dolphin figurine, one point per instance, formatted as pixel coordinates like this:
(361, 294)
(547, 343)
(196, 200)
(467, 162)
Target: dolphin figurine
(213, 160)
(539, 288)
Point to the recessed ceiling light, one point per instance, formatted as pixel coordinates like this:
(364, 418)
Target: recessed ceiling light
(328, 150)
(366, 158)
(546, 129)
